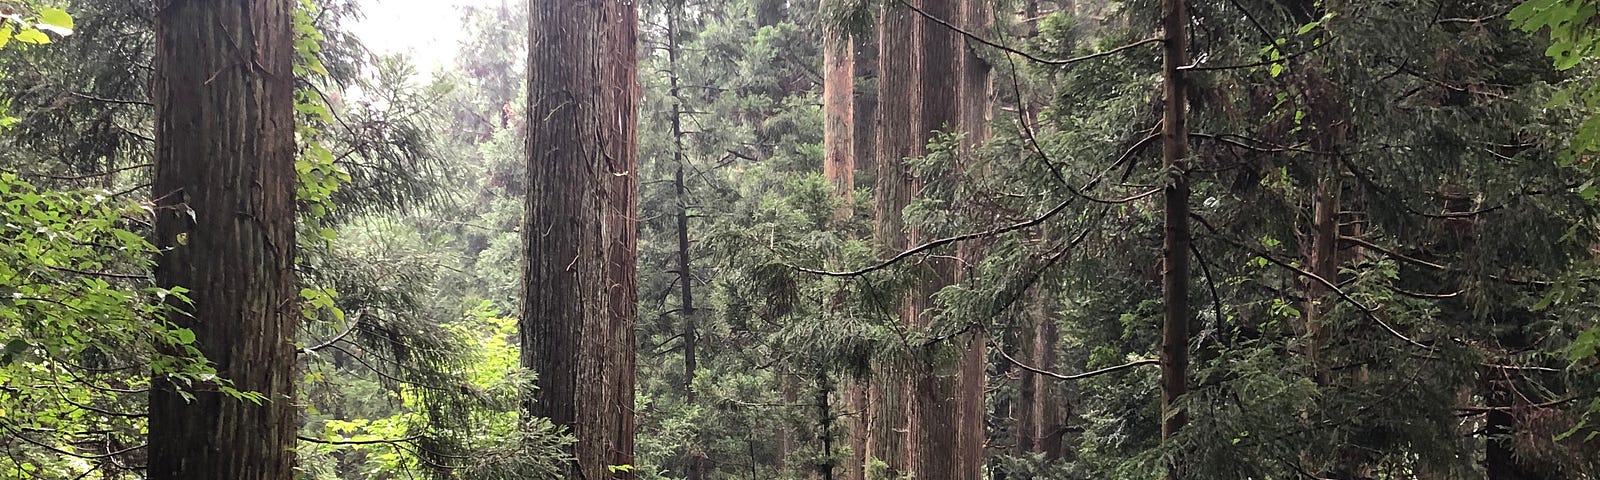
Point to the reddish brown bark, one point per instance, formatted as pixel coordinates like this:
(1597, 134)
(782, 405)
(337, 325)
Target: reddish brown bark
(898, 111)
(856, 403)
(838, 111)
(622, 94)
(975, 93)
(224, 187)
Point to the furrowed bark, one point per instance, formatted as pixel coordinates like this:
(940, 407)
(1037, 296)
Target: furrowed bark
(898, 111)
(578, 235)
(225, 201)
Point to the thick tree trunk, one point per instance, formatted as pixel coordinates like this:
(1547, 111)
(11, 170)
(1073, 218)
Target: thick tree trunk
(898, 138)
(225, 223)
(1040, 422)
(1175, 247)
(1051, 407)
(975, 91)
(1322, 259)
(1028, 406)
(838, 110)
(936, 450)
(622, 94)
(856, 403)
(847, 134)
(866, 105)
(578, 236)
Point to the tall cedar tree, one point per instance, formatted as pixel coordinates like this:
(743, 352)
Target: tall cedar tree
(839, 168)
(897, 115)
(578, 236)
(935, 453)
(1038, 426)
(975, 89)
(224, 188)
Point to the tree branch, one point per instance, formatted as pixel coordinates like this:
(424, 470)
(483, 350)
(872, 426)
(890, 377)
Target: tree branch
(1078, 376)
(1029, 56)
(1365, 310)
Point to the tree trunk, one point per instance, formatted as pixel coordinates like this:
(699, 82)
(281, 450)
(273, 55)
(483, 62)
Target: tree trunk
(578, 236)
(789, 387)
(898, 138)
(856, 402)
(846, 135)
(769, 12)
(936, 453)
(1175, 247)
(1322, 259)
(225, 224)
(825, 423)
(1028, 406)
(975, 91)
(838, 110)
(1051, 409)
(695, 456)
(866, 105)
(622, 94)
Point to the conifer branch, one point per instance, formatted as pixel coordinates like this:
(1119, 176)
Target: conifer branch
(1033, 58)
(1330, 285)
(1076, 376)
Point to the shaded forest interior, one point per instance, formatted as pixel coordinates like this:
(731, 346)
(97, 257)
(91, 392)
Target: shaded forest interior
(802, 239)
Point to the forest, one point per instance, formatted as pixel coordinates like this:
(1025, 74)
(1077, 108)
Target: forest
(801, 239)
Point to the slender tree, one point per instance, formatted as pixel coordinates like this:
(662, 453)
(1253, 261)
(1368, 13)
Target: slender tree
(224, 188)
(691, 330)
(1175, 247)
(578, 235)
(839, 126)
(864, 103)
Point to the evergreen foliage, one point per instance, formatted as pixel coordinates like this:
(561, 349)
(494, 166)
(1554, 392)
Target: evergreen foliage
(1445, 149)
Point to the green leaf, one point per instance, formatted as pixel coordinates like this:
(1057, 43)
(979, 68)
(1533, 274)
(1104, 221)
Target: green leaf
(1585, 346)
(15, 346)
(183, 336)
(5, 35)
(56, 20)
(33, 36)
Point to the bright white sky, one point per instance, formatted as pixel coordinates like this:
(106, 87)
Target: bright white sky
(427, 30)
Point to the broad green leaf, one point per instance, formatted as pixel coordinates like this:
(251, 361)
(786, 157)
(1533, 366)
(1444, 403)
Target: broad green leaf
(15, 346)
(33, 36)
(59, 20)
(183, 336)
